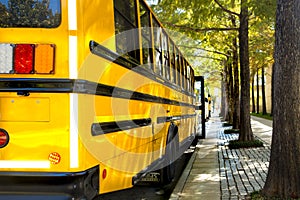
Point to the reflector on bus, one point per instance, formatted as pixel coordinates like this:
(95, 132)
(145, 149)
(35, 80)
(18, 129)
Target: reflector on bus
(54, 158)
(23, 58)
(6, 58)
(44, 59)
(27, 58)
(4, 138)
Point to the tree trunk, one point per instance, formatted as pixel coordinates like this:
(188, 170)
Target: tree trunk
(253, 96)
(257, 91)
(223, 99)
(230, 89)
(225, 106)
(272, 91)
(236, 84)
(263, 91)
(236, 89)
(245, 127)
(283, 180)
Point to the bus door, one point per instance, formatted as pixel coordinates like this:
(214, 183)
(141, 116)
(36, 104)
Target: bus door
(200, 107)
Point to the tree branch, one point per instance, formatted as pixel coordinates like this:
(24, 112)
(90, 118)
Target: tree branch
(211, 51)
(189, 28)
(225, 9)
(208, 57)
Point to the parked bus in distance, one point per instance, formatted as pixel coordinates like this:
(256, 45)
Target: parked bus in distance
(94, 97)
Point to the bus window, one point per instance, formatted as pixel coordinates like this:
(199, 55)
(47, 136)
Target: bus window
(158, 47)
(166, 56)
(30, 14)
(177, 64)
(146, 36)
(192, 80)
(186, 75)
(126, 29)
(172, 55)
(188, 78)
(183, 73)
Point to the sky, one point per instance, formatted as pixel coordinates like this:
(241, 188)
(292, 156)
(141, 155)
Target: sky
(150, 2)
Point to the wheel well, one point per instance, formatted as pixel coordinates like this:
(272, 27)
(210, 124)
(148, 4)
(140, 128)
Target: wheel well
(172, 132)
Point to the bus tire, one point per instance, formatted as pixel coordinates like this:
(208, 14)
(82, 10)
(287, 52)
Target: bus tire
(172, 149)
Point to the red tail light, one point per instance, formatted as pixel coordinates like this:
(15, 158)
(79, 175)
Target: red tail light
(23, 61)
(4, 138)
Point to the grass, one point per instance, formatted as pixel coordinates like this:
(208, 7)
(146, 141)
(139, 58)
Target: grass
(267, 116)
(230, 131)
(236, 144)
(256, 195)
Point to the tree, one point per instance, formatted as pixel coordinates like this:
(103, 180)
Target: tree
(263, 91)
(3, 15)
(236, 89)
(246, 133)
(283, 180)
(257, 91)
(253, 92)
(29, 13)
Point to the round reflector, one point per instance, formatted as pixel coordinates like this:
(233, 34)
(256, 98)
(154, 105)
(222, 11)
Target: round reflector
(4, 138)
(54, 158)
(104, 174)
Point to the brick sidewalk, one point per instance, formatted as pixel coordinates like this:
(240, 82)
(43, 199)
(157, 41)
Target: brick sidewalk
(216, 172)
(242, 171)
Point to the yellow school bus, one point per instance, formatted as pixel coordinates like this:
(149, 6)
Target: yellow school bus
(94, 95)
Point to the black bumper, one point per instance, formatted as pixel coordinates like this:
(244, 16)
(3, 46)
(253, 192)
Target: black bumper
(39, 185)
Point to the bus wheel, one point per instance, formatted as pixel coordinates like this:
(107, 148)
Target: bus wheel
(172, 149)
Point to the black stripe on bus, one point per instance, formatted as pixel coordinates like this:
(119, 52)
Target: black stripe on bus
(131, 64)
(82, 86)
(109, 127)
(25, 86)
(161, 120)
(34, 85)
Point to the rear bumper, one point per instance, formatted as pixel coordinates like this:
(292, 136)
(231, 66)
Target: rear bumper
(39, 185)
(13, 196)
